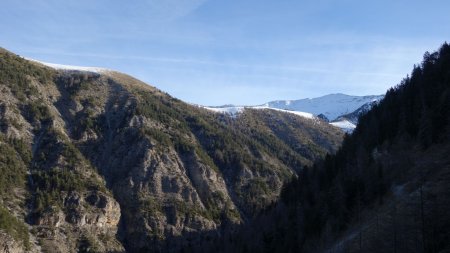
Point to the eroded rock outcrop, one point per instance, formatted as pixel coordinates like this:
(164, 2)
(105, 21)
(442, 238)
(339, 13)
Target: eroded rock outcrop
(9, 245)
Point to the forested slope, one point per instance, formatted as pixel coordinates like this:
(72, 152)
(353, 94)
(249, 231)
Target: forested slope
(387, 189)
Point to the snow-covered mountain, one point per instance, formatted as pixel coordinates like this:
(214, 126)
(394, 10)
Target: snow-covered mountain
(339, 109)
(354, 116)
(331, 106)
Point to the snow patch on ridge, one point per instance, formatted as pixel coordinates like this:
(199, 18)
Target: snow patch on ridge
(232, 110)
(235, 110)
(70, 67)
(302, 114)
(345, 125)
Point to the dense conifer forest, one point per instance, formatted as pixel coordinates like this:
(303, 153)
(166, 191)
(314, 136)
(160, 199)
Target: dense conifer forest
(387, 189)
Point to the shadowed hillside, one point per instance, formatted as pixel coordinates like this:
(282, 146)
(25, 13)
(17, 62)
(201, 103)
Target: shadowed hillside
(385, 190)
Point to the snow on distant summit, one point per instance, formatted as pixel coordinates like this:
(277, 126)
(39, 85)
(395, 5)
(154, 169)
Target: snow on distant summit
(331, 106)
(339, 109)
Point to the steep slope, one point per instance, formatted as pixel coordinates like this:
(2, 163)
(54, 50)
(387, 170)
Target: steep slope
(354, 116)
(386, 189)
(348, 122)
(97, 160)
(45, 180)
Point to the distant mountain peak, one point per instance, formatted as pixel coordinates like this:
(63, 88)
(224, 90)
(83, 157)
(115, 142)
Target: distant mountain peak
(340, 109)
(331, 106)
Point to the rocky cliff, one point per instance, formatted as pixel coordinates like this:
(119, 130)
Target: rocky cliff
(97, 161)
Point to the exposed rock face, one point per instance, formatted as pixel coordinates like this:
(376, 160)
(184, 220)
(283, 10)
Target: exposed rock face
(90, 214)
(107, 156)
(9, 245)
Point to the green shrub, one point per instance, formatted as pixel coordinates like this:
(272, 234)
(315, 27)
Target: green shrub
(88, 244)
(15, 228)
(12, 168)
(37, 111)
(16, 73)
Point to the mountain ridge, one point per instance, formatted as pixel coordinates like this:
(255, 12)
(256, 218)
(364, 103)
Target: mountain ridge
(114, 164)
(344, 117)
(336, 108)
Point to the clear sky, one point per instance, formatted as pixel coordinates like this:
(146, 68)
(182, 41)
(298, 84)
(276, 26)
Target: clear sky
(215, 52)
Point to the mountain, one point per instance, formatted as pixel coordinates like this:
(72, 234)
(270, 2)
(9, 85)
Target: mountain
(93, 160)
(354, 116)
(348, 122)
(387, 189)
(330, 106)
(340, 110)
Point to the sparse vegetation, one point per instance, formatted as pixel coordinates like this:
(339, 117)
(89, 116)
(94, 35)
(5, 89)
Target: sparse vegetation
(36, 111)
(16, 73)
(88, 244)
(14, 227)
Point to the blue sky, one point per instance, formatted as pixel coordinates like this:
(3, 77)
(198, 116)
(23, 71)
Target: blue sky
(215, 52)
